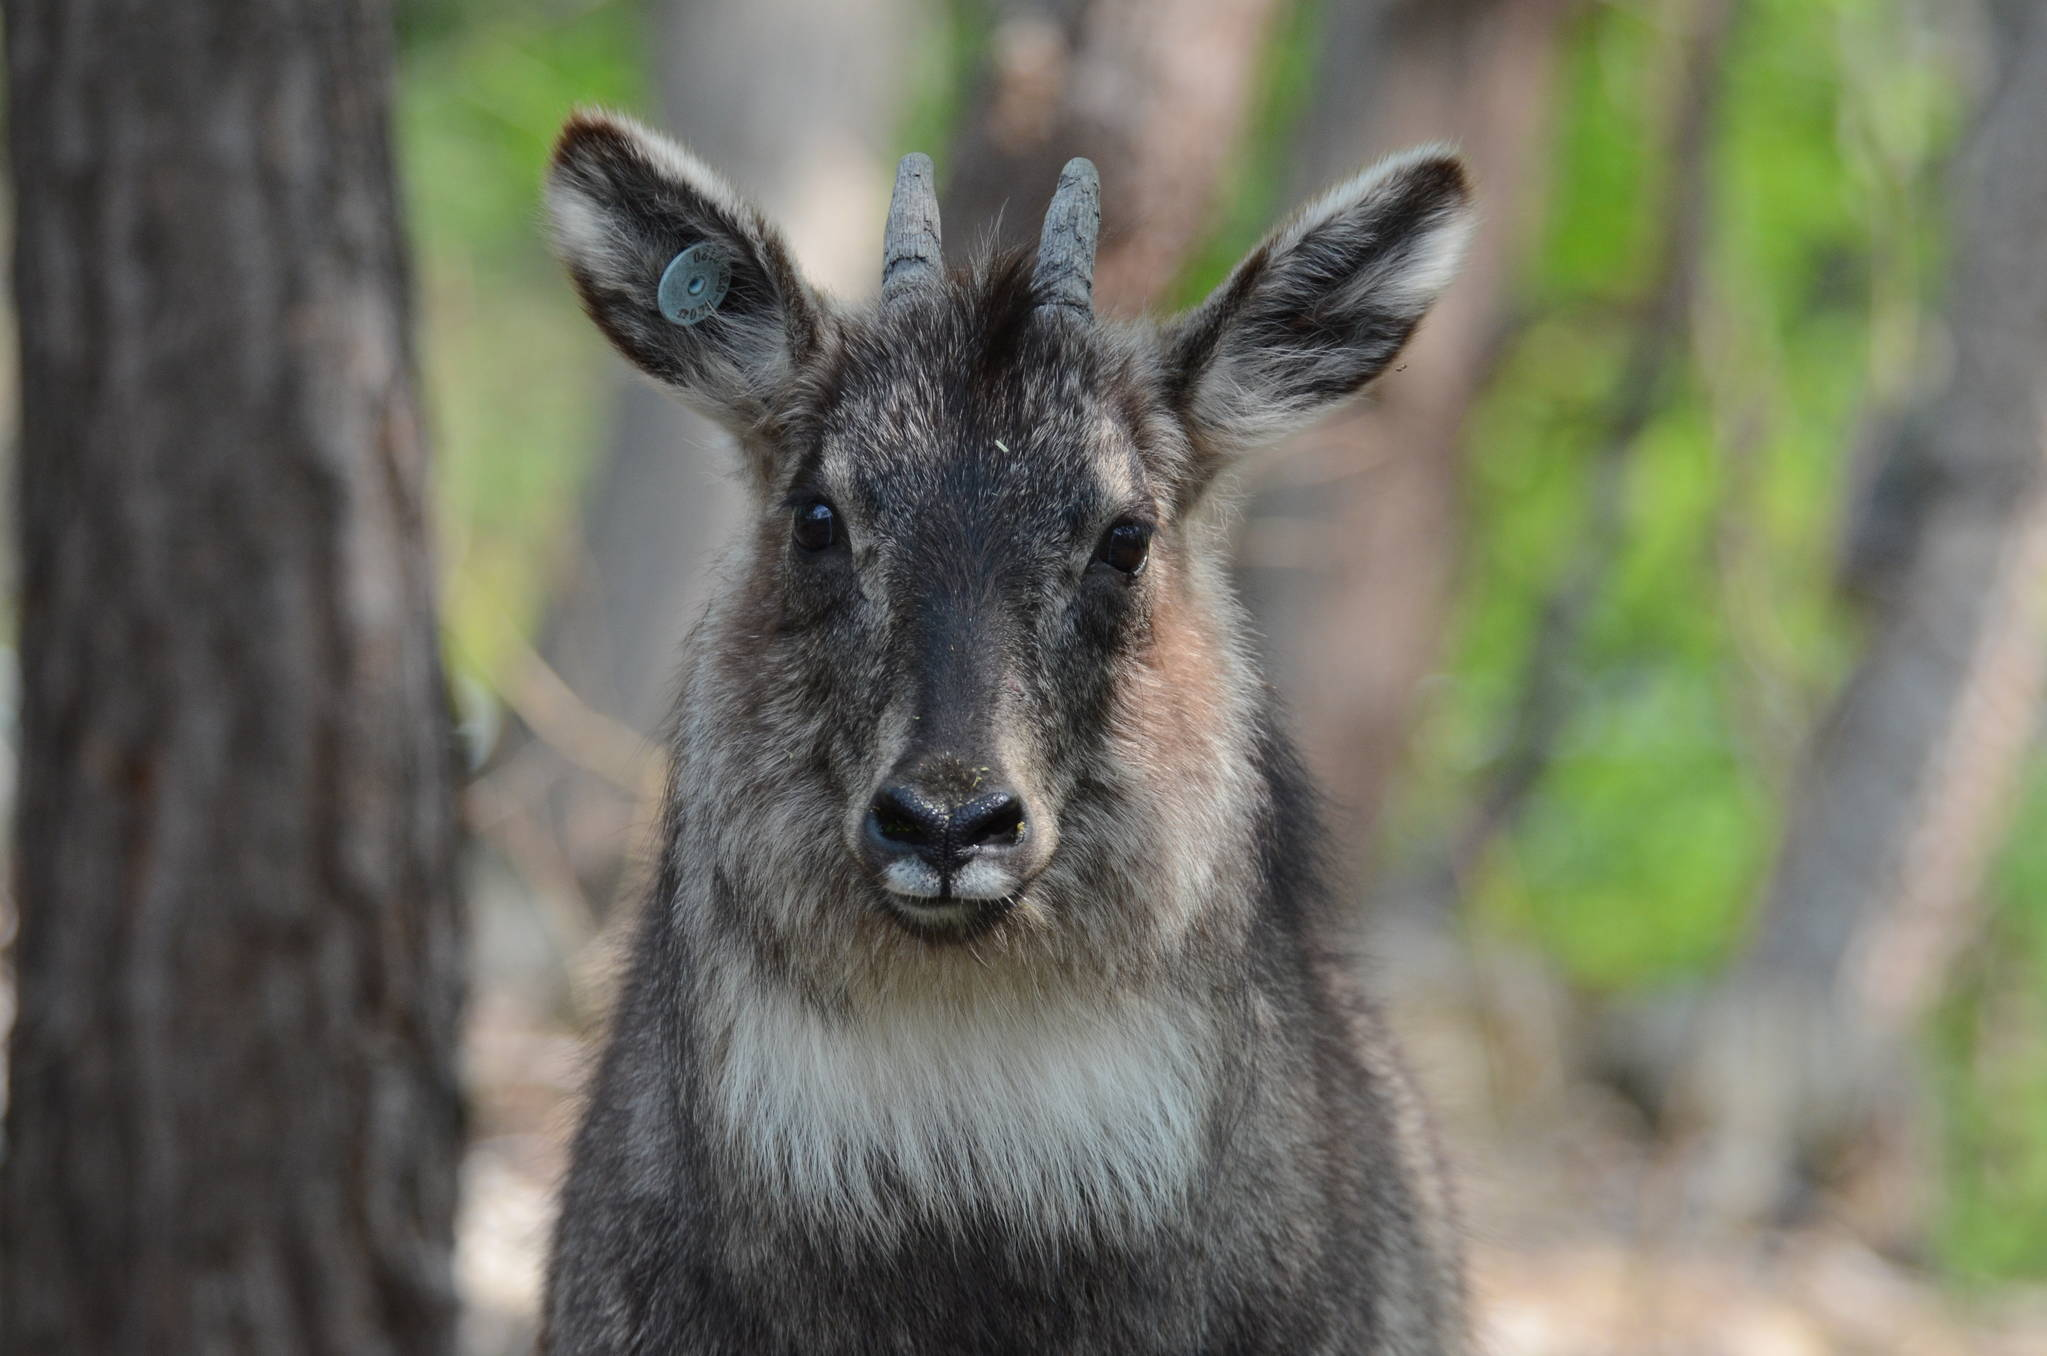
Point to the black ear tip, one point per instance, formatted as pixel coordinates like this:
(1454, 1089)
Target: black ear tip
(1440, 177)
(590, 135)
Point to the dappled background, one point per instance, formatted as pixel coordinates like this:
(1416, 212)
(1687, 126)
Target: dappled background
(1669, 629)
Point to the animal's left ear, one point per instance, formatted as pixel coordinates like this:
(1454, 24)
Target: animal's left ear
(684, 277)
(1322, 306)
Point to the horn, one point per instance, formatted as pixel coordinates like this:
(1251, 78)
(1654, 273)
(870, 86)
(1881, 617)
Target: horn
(912, 256)
(1065, 275)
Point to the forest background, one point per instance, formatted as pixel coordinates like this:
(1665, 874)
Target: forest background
(1670, 629)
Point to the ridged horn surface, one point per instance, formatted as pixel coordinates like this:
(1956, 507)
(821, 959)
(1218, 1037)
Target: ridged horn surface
(912, 255)
(1065, 275)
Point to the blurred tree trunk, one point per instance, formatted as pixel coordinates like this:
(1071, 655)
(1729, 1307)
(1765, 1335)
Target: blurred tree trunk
(1155, 92)
(1908, 784)
(798, 105)
(234, 1120)
(1351, 551)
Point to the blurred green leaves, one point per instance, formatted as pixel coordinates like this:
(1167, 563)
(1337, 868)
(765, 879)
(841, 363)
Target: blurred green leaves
(1718, 629)
(1989, 1055)
(515, 384)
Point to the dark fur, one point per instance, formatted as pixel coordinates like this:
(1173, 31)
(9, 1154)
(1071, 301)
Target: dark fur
(976, 446)
(1317, 1244)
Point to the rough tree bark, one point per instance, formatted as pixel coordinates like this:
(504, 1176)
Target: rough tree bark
(1907, 786)
(234, 1120)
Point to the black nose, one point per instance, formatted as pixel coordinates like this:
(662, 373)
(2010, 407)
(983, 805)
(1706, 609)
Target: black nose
(905, 820)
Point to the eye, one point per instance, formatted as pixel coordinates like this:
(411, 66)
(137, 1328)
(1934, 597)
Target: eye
(815, 526)
(1125, 546)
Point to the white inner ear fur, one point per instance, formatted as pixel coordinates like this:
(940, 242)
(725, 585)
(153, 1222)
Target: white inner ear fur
(588, 231)
(1253, 394)
(616, 242)
(1429, 264)
(674, 161)
(1416, 274)
(582, 230)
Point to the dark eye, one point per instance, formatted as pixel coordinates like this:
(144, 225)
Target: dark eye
(1125, 546)
(816, 526)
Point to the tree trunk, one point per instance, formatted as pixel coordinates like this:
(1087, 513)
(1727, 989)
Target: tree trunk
(1908, 784)
(234, 1121)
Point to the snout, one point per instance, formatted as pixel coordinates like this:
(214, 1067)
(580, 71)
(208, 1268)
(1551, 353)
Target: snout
(931, 838)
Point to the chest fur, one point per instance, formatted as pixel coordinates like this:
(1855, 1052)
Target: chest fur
(1049, 1116)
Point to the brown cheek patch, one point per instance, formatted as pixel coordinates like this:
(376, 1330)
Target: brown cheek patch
(1172, 706)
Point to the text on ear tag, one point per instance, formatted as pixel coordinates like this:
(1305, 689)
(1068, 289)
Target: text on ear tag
(693, 284)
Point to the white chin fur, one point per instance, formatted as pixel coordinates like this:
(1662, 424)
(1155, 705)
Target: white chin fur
(915, 878)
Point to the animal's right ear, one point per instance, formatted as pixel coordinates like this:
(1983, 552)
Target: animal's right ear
(686, 278)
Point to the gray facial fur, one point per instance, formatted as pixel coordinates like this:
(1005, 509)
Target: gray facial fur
(1100, 1079)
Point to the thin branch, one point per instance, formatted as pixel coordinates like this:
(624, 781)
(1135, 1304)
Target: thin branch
(573, 728)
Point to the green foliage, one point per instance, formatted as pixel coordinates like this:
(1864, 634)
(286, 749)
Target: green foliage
(1715, 631)
(515, 387)
(1989, 1061)
(1717, 634)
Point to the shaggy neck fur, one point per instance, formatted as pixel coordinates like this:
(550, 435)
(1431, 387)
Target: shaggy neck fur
(1052, 1116)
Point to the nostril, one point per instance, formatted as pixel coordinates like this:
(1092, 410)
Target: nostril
(904, 822)
(993, 820)
(900, 816)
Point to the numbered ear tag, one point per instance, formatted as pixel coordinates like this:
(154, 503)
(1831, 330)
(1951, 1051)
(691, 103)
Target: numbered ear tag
(693, 284)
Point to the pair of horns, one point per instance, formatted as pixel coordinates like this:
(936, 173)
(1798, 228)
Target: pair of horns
(913, 258)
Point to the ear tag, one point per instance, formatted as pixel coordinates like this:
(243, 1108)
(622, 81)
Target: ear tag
(693, 284)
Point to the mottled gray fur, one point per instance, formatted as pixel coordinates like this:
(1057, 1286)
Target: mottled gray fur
(1101, 1080)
